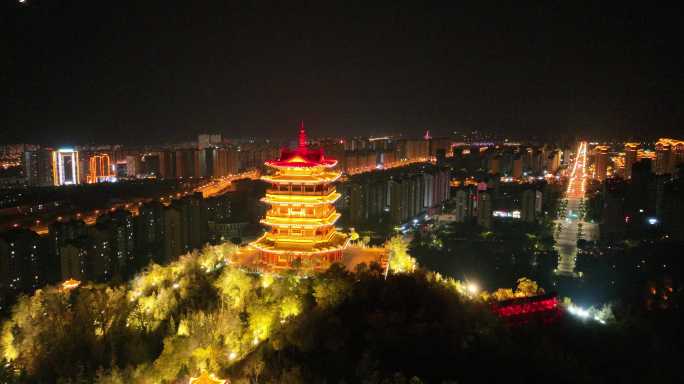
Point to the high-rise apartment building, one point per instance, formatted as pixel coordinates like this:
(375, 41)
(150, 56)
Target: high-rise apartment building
(38, 167)
(601, 161)
(484, 209)
(20, 261)
(206, 140)
(669, 156)
(65, 167)
(630, 158)
(120, 228)
(553, 161)
(495, 165)
(88, 257)
(150, 233)
(531, 205)
(174, 239)
(462, 208)
(517, 167)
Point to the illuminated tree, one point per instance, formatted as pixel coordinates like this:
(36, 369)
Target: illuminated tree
(290, 306)
(527, 288)
(353, 235)
(399, 259)
(253, 369)
(332, 288)
(234, 285)
(503, 294)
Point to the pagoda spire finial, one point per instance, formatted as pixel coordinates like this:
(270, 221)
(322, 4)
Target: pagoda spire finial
(302, 135)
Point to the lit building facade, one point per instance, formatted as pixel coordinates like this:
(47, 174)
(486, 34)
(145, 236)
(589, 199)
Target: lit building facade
(99, 168)
(302, 214)
(630, 158)
(601, 156)
(669, 155)
(65, 167)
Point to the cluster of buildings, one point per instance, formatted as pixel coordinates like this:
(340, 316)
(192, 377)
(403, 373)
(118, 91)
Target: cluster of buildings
(122, 241)
(484, 203)
(618, 160)
(521, 161)
(646, 199)
(393, 180)
(210, 156)
(70, 166)
(641, 187)
(398, 195)
(507, 159)
(359, 155)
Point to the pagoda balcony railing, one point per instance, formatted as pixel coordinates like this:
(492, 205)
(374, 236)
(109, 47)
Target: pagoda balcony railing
(303, 222)
(322, 215)
(290, 192)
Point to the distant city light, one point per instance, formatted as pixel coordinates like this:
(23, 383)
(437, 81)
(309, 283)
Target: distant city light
(652, 220)
(507, 214)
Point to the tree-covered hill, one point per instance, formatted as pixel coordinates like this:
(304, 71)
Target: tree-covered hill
(201, 314)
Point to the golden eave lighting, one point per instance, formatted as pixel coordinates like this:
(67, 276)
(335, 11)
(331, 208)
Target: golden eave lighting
(301, 199)
(70, 284)
(302, 215)
(206, 378)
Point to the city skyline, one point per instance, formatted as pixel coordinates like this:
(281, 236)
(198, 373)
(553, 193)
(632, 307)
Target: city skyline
(476, 193)
(140, 73)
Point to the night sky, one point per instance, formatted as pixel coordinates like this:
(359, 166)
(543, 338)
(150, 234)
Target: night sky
(146, 71)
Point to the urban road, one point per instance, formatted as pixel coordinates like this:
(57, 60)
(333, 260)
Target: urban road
(571, 226)
(213, 187)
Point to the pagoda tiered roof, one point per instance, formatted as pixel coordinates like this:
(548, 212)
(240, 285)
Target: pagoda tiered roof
(318, 178)
(335, 242)
(301, 157)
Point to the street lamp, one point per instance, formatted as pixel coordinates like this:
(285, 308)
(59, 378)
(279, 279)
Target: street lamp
(472, 289)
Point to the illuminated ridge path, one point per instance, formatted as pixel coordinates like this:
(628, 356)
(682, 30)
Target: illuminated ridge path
(570, 220)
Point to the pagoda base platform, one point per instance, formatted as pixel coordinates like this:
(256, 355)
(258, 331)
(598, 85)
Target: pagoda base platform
(281, 261)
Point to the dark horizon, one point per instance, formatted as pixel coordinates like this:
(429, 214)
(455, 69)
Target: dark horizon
(80, 72)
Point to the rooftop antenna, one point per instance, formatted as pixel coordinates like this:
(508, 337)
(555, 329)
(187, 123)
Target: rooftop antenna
(302, 135)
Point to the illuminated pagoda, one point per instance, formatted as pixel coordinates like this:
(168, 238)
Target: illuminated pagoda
(302, 215)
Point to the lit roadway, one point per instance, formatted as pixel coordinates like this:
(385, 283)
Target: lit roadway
(214, 187)
(571, 221)
(219, 186)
